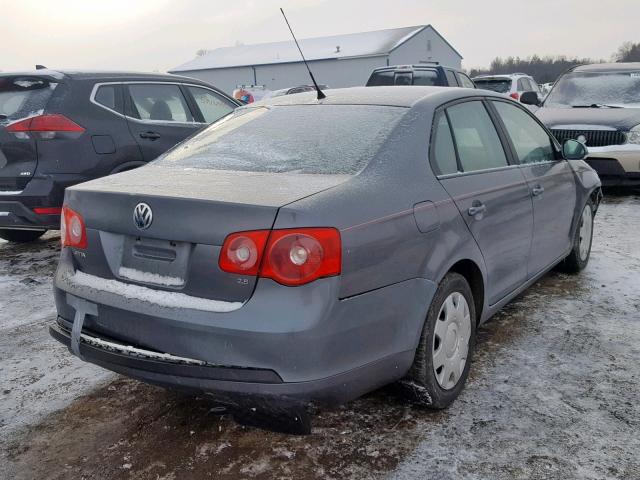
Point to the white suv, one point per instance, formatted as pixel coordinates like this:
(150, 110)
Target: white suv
(512, 85)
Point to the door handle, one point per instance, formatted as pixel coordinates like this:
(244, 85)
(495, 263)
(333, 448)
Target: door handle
(150, 135)
(477, 208)
(537, 190)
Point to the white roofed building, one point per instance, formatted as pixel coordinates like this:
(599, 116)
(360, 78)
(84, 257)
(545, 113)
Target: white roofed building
(337, 61)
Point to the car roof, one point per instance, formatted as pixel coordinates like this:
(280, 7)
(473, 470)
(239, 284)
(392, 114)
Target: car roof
(418, 66)
(104, 75)
(608, 67)
(393, 96)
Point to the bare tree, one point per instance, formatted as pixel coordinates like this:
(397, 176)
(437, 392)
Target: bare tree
(628, 52)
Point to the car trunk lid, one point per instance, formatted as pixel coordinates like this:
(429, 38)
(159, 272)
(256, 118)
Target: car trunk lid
(192, 212)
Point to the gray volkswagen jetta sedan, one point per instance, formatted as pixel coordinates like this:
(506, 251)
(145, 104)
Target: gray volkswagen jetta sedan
(310, 251)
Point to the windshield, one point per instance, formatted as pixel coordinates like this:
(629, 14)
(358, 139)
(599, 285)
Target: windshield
(602, 89)
(500, 85)
(22, 97)
(324, 139)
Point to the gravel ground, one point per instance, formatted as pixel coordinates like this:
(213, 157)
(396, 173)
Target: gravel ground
(553, 394)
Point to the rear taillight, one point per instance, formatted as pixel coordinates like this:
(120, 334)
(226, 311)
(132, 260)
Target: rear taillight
(515, 95)
(47, 210)
(73, 232)
(45, 126)
(241, 252)
(290, 257)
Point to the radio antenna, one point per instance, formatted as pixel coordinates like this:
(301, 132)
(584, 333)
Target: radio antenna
(321, 95)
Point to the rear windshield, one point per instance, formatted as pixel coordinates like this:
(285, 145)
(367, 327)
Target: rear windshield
(500, 85)
(416, 77)
(324, 139)
(22, 97)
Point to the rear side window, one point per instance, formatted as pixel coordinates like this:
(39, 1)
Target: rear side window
(443, 151)
(106, 96)
(22, 97)
(476, 139)
(212, 106)
(313, 139)
(157, 102)
(531, 142)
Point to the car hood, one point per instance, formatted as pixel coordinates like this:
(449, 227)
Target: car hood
(588, 118)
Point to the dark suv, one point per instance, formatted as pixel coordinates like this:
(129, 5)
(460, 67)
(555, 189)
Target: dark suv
(429, 74)
(62, 128)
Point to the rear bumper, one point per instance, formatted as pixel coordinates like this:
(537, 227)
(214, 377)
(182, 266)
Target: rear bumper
(617, 165)
(236, 386)
(317, 348)
(16, 208)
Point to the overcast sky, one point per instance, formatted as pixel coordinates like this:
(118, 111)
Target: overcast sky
(160, 34)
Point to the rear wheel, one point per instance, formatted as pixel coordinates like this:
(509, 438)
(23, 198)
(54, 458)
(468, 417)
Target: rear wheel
(443, 357)
(21, 236)
(581, 251)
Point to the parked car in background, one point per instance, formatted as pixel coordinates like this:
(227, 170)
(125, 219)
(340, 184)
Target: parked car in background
(599, 105)
(512, 85)
(425, 74)
(322, 270)
(293, 90)
(61, 128)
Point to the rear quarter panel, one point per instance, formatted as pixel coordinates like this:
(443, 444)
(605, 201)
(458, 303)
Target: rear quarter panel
(79, 155)
(396, 221)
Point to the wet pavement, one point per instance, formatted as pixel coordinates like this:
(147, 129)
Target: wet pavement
(554, 393)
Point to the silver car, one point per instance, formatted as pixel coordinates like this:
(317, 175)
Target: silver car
(303, 251)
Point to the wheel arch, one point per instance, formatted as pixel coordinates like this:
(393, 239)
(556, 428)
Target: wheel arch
(474, 277)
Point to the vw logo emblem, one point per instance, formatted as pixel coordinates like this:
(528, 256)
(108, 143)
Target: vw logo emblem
(142, 216)
(581, 139)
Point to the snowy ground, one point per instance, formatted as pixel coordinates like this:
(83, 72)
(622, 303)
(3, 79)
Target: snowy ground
(553, 394)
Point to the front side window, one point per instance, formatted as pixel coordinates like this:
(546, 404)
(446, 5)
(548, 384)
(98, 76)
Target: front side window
(157, 102)
(443, 151)
(212, 106)
(478, 143)
(531, 142)
(596, 90)
(465, 81)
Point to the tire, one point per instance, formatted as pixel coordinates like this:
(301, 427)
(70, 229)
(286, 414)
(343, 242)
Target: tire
(436, 386)
(21, 236)
(578, 259)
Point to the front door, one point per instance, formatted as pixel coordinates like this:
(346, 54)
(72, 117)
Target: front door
(492, 196)
(159, 117)
(551, 183)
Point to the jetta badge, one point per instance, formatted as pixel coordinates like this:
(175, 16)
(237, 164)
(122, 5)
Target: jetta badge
(142, 216)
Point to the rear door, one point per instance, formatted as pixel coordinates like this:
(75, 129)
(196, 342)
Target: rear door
(551, 183)
(159, 116)
(21, 97)
(492, 195)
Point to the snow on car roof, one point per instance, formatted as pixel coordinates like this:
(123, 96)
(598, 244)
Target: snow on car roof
(379, 42)
(609, 67)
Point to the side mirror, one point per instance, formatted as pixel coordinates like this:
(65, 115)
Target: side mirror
(574, 150)
(530, 98)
